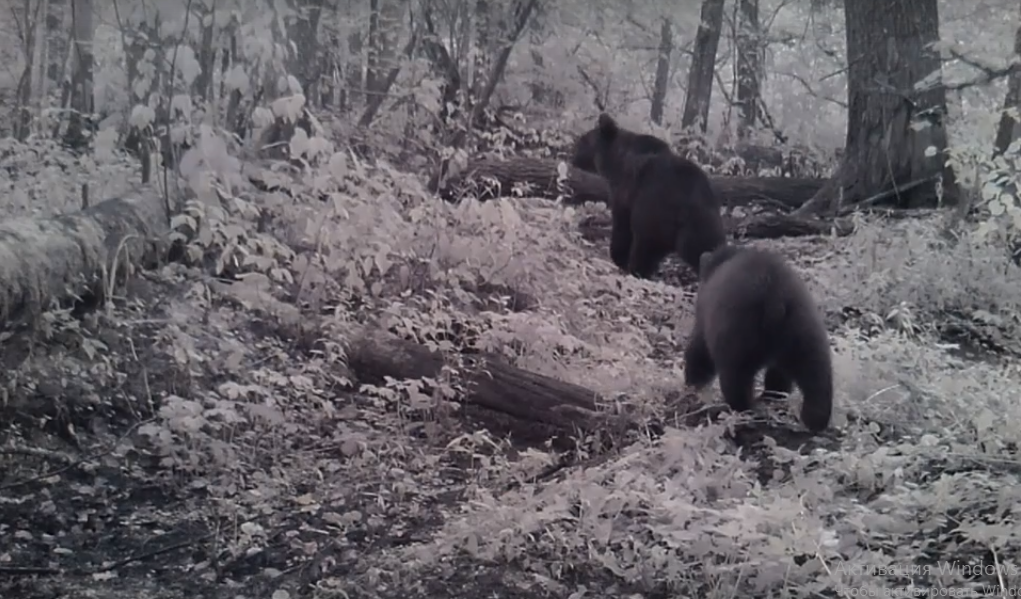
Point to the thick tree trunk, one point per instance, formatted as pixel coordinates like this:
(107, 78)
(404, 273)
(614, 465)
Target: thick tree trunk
(1007, 131)
(896, 133)
(56, 258)
(703, 66)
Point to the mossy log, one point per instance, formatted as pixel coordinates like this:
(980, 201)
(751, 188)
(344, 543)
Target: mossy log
(532, 407)
(59, 258)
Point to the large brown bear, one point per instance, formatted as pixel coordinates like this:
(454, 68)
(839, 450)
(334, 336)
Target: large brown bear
(660, 202)
(753, 311)
(584, 156)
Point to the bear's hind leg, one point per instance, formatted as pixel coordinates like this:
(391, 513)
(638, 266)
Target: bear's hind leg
(813, 374)
(777, 385)
(737, 383)
(699, 369)
(645, 257)
(620, 237)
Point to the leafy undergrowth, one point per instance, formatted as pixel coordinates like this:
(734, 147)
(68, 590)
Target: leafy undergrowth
(206, 435)
(39, 179)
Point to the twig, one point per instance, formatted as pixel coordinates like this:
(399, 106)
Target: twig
(38, 452)
(77, 462)
(31, 571)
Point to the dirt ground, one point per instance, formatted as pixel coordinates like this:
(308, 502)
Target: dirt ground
(184, 443)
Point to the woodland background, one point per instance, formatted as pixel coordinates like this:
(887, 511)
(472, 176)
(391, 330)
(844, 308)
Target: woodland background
(299, 298)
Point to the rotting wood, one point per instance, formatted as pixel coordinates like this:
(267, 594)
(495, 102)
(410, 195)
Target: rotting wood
(492, 384)
(776, 226)
(57, 258)
(489, 178)
(785, 191)
(597, 227)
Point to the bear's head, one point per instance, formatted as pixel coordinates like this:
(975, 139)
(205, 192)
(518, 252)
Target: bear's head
(618, 152)
(608, 154)
(711, 260)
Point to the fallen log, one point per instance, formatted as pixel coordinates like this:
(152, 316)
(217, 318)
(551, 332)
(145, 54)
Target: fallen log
(490, 178)
(776, 226)
(532, 407)
(787, 192)
(74, 255)
(597, 227)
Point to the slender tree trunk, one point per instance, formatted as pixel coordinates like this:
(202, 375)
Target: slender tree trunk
(81, 79)
(749, 67)
(896, 133)
(391, 14)
(56, 40)
(29, 31)
(372, 57)
(703, 66)
(303, 31)
(354, 72)
(666, 48)
(1007, 131)
(202, 86)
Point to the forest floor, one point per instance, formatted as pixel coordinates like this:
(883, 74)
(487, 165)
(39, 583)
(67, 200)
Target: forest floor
(204, 438)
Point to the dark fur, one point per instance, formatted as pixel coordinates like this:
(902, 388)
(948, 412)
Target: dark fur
(661, 203)
(586, 146)
(753, 311)
(584, 156)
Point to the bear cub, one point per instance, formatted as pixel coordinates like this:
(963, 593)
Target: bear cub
(753, 311)
(660, 202)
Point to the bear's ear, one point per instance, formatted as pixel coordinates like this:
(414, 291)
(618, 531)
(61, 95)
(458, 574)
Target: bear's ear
(608, 128)
(712, 259)
(705, 265)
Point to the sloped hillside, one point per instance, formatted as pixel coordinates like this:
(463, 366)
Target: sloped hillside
(220, 428)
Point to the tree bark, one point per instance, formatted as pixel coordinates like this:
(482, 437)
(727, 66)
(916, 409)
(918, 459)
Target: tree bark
(895, 132)
(749, 67)
(491, 178)
(597, 228)
(82, 96)
(659, 88)
(499, 389)
(56, 258)
(703, 66)
(23, 110)
(1007, 131)
(56, 40)
(372, 55)
(202, 85)
(303, 32)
